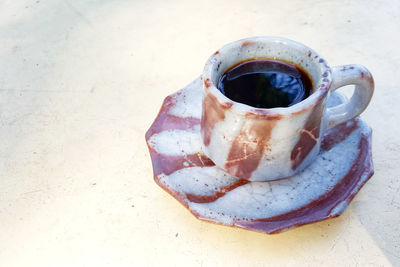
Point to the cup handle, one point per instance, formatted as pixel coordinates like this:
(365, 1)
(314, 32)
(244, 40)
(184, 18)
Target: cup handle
(364, 88)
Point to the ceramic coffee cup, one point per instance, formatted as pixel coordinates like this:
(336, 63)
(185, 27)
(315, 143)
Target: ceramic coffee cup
(260, 144)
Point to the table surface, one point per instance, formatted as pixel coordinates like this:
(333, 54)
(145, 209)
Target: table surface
(82, 81)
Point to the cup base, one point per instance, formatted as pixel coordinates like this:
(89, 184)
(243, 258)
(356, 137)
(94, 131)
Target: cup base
(321, 191)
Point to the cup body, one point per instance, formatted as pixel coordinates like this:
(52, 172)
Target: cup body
(263, 144)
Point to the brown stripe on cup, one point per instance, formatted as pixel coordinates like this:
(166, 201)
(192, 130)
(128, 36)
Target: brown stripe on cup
(250, 144)
(308, 136)
(213, 112)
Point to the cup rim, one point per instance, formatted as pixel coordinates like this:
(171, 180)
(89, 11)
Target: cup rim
(322, 85)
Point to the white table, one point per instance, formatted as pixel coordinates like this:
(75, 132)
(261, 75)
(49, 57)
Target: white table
(81, 82)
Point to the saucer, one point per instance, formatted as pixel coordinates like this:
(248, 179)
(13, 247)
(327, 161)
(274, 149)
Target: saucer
(321, 191)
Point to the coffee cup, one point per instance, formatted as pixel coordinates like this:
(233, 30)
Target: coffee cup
(263, 143)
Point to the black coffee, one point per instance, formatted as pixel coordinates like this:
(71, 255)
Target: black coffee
(265, 83)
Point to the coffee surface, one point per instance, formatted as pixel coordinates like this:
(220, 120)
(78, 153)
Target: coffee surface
(265, 83)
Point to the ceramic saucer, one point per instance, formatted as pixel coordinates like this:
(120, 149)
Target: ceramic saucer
(321, 191)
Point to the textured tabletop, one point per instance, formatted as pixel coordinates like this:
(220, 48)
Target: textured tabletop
(82, 81)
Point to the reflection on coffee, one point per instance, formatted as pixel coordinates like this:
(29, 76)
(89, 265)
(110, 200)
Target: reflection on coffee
(265, 83)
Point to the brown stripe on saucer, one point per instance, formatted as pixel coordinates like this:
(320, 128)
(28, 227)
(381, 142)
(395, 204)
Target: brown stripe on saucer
(221, 192)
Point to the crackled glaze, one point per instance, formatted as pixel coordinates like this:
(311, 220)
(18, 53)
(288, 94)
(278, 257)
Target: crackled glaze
(268, 144)
(321, 191)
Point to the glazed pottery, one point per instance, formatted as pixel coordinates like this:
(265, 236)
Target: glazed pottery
(322, 190)
(258, 144)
